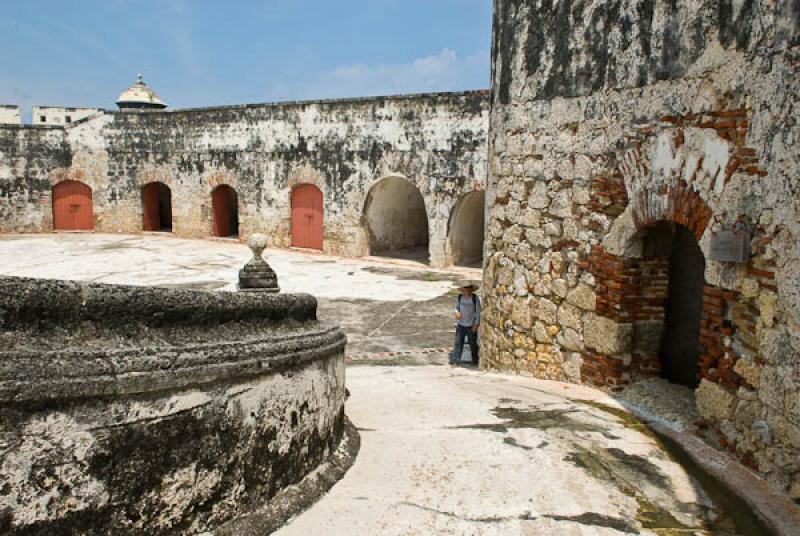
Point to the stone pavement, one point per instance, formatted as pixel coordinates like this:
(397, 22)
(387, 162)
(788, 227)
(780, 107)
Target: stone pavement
(443, 450)
(455, 451)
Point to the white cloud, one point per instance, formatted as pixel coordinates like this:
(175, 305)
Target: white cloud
(445, 71)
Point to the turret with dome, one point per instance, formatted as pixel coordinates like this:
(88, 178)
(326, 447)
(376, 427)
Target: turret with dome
(139, 97)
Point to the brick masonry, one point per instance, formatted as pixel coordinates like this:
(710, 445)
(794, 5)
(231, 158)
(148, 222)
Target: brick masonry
(610, 118)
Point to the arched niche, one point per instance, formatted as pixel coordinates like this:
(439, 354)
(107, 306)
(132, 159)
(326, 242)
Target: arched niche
(396, 220)
(465, 230)
(157, 207)
(668, 277)
(225, 211)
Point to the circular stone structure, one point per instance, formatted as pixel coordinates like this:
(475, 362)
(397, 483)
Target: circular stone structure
(138, 410)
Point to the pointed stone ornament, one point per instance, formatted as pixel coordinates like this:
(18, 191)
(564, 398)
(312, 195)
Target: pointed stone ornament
(257, 275)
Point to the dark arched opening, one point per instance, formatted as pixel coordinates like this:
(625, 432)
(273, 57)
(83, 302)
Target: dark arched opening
(157, 207)
(466, 230)
(396, 220)
(225, 209)
(671, 289)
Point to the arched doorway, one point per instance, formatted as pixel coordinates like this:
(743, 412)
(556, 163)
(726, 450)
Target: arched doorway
(396, 220)
(225, 209)
(466, 230)
(157, 207)
(307, 217)
(671, 278)
(72, 206)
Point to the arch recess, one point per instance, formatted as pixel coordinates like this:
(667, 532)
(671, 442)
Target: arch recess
(225, 211)
(465, 231)
(670, 278)
(396, 220)
(157, 207)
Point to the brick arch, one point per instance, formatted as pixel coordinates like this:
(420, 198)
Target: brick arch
(632, 284)
(677, 203)
(146, 176)
(221, 178)
(68, 174)
(674, 201)
(307, 175)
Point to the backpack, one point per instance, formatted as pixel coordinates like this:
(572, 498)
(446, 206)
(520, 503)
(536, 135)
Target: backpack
(474, 301)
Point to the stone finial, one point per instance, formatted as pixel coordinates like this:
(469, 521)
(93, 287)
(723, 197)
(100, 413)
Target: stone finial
(257, 275)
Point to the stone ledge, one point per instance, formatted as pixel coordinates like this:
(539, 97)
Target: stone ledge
(79, 373)
(242, 335)
(777, 511)
(26, 301)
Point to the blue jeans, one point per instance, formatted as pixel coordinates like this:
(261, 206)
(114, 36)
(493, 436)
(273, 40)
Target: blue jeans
(458, 347)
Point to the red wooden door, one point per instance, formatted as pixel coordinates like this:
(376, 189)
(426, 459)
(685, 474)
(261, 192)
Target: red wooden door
(307, 226)
(152, 214)
(72, 206)
(225, 211)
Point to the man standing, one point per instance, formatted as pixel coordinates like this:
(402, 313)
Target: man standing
(468, 318)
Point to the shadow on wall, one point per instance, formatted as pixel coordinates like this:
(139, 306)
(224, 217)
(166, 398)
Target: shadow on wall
(396, 220)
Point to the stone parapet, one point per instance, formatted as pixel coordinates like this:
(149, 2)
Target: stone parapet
(132, 410)
(436, 142)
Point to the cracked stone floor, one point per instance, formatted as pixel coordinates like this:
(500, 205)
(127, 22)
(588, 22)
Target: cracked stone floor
(443, 450)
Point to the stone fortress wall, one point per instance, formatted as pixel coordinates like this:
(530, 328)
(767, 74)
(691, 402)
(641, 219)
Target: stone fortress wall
(10, 115)
(624, 136)
(434, 142)
(59, 115)
(129, 410)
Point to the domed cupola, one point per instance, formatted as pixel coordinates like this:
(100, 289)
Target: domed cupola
(139, 97)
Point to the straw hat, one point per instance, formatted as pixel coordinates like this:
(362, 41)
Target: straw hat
(464, 283)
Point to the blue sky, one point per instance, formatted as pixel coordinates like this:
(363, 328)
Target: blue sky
(205, 53)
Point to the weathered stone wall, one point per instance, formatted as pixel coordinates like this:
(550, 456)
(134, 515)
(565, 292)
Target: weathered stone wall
(59, 115)
(28, 155)
(608, 118)
(130, 410)
(437, 142)
(10, 115)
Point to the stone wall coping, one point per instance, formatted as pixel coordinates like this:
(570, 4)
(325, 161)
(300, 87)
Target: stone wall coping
(80, 373)
(291, 336)
(27, 126)
(436, 96)
(26, 302)
(440, 96)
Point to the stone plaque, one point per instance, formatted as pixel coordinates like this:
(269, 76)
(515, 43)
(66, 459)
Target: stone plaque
(730, 245)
